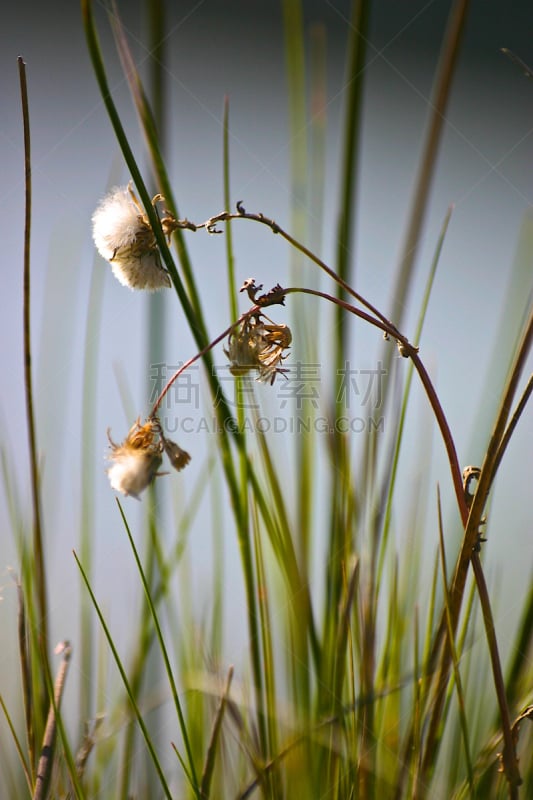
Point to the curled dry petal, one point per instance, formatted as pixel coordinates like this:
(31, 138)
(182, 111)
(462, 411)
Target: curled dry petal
(178, 457)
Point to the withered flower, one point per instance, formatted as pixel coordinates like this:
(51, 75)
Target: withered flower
(258, 345)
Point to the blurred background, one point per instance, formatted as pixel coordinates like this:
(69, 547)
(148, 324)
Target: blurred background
(236, 49)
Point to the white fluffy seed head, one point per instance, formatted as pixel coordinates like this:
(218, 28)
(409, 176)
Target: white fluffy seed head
(115, 222)
(123, 236)
(136, 461)
(133, 470)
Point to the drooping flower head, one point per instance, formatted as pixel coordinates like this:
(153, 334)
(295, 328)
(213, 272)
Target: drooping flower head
(258, 345)
(123, 236)
(137, 460)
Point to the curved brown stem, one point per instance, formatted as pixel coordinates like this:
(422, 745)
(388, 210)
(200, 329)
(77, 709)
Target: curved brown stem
(224, 216)
(488, 471)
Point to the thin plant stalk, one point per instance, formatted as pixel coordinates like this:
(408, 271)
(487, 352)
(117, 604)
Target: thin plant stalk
(38, 533)
(451, 643)
(44, 768)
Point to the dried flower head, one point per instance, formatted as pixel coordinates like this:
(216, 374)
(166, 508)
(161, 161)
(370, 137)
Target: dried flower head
(123, 236)
(137, 460)
(258, 345)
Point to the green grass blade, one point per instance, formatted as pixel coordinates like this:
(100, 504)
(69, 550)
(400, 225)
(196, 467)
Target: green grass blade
(26, 677)
(355, 75)
(517, 673)
(230, 258)
(88, 412)
(295, 69)
(426, 168)
(276, 518)
(265, 627)
(207, 773)
(131, 696)
(514, 311)
(317, 134)
(405, 399)
(168, 669)
(18, 746)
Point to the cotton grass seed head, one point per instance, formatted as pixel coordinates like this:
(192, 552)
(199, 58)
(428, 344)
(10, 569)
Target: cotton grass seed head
(123, 236)
(135, 462)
